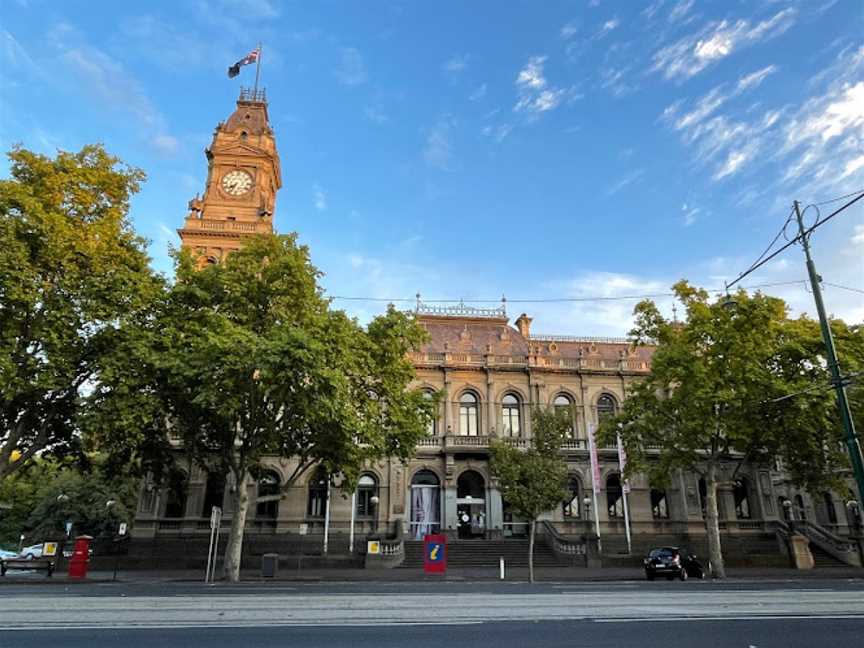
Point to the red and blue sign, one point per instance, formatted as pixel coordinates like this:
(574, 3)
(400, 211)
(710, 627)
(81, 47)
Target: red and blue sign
(435, 553)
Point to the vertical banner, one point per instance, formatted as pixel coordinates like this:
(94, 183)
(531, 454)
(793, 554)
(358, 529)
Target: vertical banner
(625, 490)
(595, 479)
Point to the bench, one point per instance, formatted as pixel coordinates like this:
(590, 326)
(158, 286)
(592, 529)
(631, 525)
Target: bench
(34, 564)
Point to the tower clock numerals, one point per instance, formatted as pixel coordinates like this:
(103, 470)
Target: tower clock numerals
(236, 183)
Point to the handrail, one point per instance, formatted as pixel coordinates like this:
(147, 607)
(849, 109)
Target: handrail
(559, 543)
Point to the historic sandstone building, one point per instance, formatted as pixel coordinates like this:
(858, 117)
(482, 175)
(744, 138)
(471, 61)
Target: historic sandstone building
(490, 374)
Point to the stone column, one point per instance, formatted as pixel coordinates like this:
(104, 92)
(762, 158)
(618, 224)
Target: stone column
(491, 424)
(495, 513)
(448, 416)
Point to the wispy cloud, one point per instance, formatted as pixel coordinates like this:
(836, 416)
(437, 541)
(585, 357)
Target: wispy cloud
(754, 79)
(689, 214)
(319, 197)
(693, 53)
(569, 30)
(351, 70)
(535, 94)
(456, 65)
(626, 181)
(499, 133)
(680, 10)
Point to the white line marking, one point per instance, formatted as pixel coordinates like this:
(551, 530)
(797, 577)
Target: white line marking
(745, 617)
(198, 626)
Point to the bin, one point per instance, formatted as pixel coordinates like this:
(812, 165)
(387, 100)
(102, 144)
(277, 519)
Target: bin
(269, 565)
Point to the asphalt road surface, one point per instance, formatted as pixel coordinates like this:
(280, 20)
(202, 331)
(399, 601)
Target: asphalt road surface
(416, 615)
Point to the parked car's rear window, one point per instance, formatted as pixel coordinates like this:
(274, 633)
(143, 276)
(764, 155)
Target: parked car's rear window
(661, 553)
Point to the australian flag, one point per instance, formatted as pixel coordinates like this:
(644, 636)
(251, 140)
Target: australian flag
(251, 57)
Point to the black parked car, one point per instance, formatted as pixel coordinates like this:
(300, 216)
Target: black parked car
(672, 563)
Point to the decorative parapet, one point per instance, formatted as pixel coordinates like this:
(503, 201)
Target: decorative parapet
(461, 310)
(587, 339)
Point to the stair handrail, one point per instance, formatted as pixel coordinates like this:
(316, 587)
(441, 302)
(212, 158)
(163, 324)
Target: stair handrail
(560, 543)
(817, 532)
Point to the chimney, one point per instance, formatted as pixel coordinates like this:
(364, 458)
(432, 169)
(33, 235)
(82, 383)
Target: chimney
(524, 325)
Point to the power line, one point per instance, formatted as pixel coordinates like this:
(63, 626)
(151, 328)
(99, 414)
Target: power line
(807, 232)
(850, 288)
(548, 300)
(838, 198)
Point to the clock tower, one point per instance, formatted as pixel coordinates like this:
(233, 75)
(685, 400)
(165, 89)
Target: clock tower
(243, 176)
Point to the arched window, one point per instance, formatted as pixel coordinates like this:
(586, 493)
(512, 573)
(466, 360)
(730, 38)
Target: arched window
(703, 496)
(799, 507)
(510, 415)
(741, 493)
(614, 496)
(317, 501)
(571, 506)
(432, 425)
(659, 505)
(425, 504)
(830, 511)
(468, 414)
(175, 496)
(563, 403)
(268, 496)
(606, 407)
(214, 493)
(367, 488)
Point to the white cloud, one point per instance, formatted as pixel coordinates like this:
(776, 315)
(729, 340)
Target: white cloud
(626, 181)
(754, 79)
(320, 198)
(351, 70)
(166, 144)
(609, 25)
(853, 165)
(535, 94)
(690, 214)
(691, 54)
(375, 113)
(680, 10)
(456, 65)
(499, 133)
(569, 30)
(858, 235)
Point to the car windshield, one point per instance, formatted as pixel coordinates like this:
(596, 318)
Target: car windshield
(661, 553)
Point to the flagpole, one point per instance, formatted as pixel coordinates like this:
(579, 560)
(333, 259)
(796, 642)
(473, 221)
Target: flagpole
(625, 489)
(257, 70)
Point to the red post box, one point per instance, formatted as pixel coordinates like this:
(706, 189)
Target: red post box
(80, 557)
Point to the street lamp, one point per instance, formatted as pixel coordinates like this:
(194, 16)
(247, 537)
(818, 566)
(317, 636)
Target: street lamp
(374, 502)
(586, 502)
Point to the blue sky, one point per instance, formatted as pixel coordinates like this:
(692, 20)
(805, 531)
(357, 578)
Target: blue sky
(467, 150)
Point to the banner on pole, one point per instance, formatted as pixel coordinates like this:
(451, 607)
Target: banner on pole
(595, 465)
(622, 463)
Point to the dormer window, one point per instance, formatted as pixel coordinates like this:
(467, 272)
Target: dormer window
(244, 135)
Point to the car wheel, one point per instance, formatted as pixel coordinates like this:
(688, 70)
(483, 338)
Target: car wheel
(29, 556)
(683, 575)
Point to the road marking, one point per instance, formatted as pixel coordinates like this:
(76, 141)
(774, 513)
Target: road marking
(742, 617)
(198, 626)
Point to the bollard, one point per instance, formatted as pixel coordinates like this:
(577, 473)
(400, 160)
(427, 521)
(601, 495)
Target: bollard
(501, 566)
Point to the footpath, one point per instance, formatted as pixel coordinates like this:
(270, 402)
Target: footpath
(542, 574)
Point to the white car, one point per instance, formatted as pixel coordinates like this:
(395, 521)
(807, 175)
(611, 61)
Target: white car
(31, 552)
(7, 554)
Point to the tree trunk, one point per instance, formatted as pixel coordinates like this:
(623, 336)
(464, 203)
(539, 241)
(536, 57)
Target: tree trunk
(712, 524)
(531, 551)
(234, 549)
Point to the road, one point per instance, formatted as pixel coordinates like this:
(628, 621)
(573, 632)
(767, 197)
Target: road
(478, 614)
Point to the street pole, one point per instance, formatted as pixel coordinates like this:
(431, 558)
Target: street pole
(849, 435)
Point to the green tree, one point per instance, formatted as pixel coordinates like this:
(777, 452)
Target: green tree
(534, 481)
(71, 271)
(728, 386)
(36, 512)
(245, 360)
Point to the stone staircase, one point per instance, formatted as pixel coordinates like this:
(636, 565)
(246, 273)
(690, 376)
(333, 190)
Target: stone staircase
(484, 553)
(823, 560)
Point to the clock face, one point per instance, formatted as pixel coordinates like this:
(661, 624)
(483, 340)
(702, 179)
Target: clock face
(236, 183)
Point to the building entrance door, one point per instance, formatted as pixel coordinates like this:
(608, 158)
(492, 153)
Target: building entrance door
(471, 505)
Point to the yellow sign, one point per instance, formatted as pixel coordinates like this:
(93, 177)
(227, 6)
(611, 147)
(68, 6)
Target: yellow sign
(14, 456)
(49, 549)
(373, 547)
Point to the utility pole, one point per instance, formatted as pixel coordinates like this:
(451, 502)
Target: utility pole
(849, 435)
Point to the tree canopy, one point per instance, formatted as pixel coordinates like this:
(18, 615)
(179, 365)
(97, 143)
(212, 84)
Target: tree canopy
(245, 360)
(728, 386)
(72, 270)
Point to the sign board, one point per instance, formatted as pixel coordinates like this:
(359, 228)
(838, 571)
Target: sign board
(304, 529)
(373, 547)
(122, 530)
(49, 548)
(435, 553)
